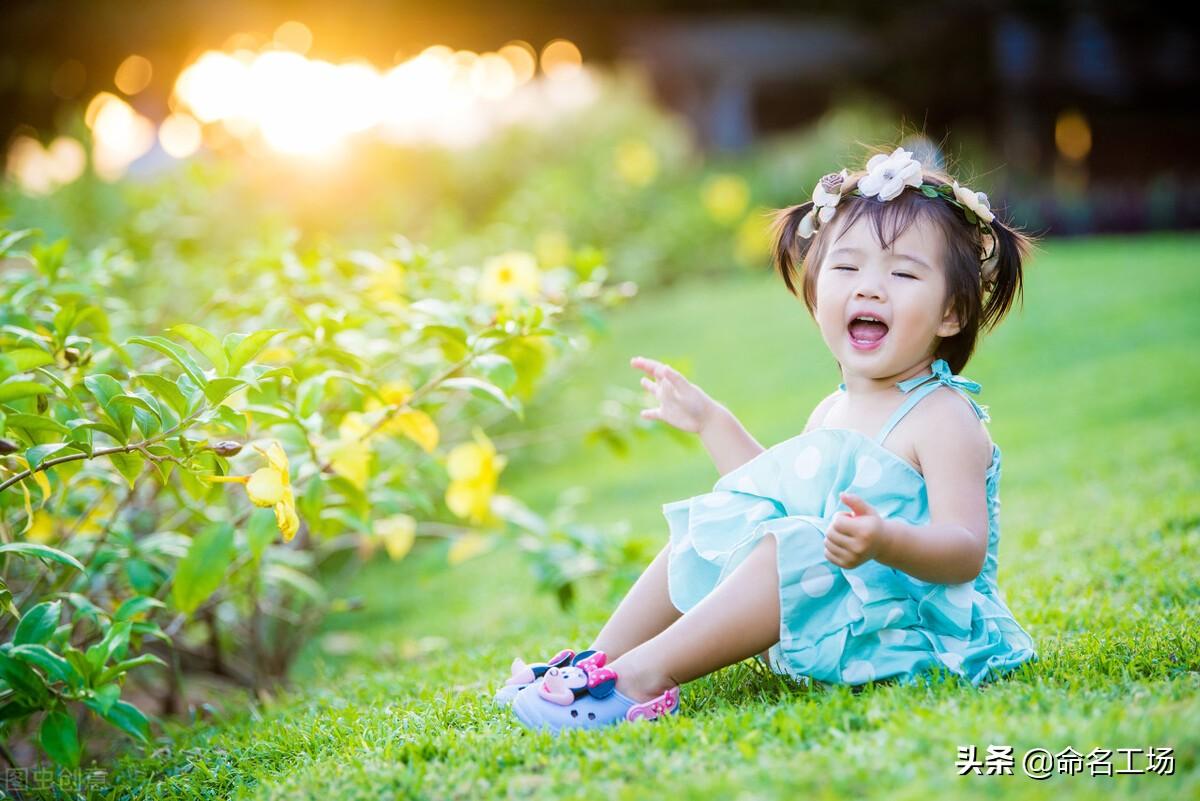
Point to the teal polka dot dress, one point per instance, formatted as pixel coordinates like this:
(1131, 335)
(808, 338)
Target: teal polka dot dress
(839, 626)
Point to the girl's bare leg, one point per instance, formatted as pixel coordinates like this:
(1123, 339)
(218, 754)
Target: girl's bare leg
(738, 619)
(644, 612)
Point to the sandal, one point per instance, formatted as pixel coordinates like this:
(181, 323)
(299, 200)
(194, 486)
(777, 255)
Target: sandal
(585, 696)
(525, 674)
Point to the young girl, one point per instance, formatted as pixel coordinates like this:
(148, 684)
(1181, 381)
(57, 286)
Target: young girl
(865, 548)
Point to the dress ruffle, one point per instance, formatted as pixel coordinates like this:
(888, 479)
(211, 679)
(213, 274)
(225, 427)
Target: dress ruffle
(842, 626)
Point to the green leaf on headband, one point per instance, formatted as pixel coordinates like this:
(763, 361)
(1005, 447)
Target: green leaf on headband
(971, 218)
(928, 191)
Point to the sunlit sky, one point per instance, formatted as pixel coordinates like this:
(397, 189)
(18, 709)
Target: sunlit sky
(274, 98)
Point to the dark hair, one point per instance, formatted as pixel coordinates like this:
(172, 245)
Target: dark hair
(975, 306)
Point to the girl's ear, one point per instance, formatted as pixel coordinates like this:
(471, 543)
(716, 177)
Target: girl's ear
(950, 325)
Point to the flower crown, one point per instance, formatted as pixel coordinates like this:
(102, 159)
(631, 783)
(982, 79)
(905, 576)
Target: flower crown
(887, 176)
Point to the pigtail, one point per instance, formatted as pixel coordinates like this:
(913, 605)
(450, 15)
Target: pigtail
(1013, 248)
(788, 248)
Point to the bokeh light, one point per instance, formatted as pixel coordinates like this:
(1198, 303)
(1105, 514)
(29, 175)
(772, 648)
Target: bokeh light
(119, 135)
(134, 75)
(41, 170)
(180, 135)
(294, 36)
(560, 56)
(1073, 135)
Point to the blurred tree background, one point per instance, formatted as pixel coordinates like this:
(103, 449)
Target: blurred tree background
(346, 257)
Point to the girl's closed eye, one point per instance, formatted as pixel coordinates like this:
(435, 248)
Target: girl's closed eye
(847, 267)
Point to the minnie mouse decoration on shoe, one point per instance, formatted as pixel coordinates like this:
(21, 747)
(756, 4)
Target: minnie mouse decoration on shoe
(585, 696)
(525, 674)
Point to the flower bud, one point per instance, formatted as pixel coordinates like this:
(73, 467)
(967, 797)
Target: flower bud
(227, 447)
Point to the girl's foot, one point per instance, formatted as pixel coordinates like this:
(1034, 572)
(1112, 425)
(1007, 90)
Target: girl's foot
(586, 698)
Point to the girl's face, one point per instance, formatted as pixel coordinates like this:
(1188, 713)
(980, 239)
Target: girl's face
(904, 287)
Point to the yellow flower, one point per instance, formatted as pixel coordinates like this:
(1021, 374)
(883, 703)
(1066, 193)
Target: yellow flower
(398, 533)
(725, 197)
(350, 454)
(637, 163)
(474, 468)
(508, 277)
(412, 423)
(42, 529)
(270, 486)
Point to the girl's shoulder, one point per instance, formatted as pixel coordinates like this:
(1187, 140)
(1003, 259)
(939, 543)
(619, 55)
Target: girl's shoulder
(822, 408)
(945, 421)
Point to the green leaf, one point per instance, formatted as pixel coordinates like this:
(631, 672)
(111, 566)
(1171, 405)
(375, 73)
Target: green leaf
(29, 358)
(115, 639)
(497, 369)
(128, 465)
(105, 389)
(232, 418)
(929, 191)
(248, 348)
(54, 666)
(204, 342)
(35, 422)
(167, 390)
(128, 718)
(971, 218)
(201, 571)
(484, 389)
(221, 388)
(126, 665)
(42, 552)
(261, 529)
(60, 739)
(10, 238)
(40, 453)
(38, 623)
(12, 390)
(175, 353)
(137, 605)
(22, 679)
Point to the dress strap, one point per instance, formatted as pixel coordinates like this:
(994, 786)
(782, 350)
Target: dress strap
(939, 375)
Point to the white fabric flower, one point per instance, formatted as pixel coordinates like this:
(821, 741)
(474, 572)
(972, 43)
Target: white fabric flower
(975, 201)
(808, 225)
(888, 175)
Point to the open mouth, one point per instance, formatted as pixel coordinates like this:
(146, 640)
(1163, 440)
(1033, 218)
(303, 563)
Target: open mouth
(867, 333)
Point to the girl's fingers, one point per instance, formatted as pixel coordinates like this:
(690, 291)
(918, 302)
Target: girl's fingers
(649, 366)
(648, 384)
(651, 414)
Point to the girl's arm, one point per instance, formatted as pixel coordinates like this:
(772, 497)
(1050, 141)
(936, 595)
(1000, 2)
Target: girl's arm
(731, 445)
(728, 442)
(954, 451)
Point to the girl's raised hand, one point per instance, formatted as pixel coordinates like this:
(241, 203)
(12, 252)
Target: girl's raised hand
(680, 402)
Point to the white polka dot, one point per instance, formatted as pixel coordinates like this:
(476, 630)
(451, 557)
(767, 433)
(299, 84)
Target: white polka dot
(858, 671)
(816, 581)
(746, 484)
(891, 636)
(954, 644)
(858, 586)
(808, 462)
(867, 472)
(852, 607)
(761, 510)
(961, 595)
(952, 661)
(715, 499)
(893, 616)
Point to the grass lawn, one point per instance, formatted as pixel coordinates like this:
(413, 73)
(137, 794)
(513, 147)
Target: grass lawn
(1093, 390)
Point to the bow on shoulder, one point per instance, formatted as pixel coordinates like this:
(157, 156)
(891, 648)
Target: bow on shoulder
(942, 374)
